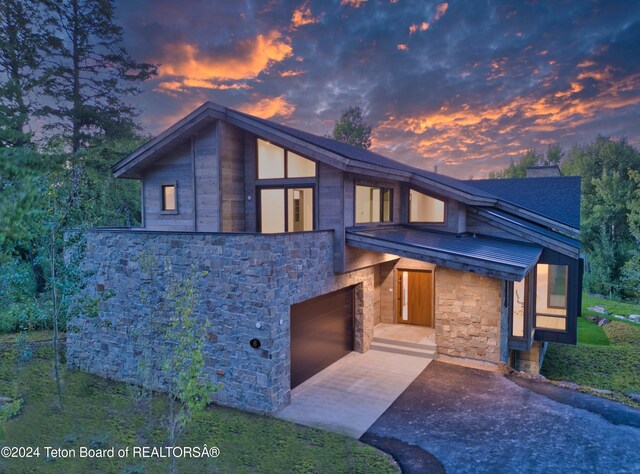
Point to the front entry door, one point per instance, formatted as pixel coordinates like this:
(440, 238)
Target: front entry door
(415, 297)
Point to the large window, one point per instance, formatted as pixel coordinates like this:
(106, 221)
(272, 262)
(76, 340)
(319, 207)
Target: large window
(286, 209)
(551, 297)
(275, 162)
(423, 208)
(286, 182)
(373, 204)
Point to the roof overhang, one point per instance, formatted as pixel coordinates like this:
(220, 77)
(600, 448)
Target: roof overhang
(487, 256)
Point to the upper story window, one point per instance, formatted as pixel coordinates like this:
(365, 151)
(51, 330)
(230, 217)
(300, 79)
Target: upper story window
(275, 162)
(551, 297)
(373, 204)
(423, 208)
(169, 198)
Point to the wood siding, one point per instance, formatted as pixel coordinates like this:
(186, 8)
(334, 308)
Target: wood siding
(250, 156)
(232, 165)
(330, 209)
(173, 168)
(207, 180)
(482, 228)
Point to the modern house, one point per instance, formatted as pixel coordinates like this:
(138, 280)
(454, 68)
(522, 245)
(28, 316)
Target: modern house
(308, 244)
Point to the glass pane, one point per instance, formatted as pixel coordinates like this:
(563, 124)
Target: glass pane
(363, 204)
(299, 167)
(386, 206)
(374, 205)
(423, 208)
(272, 210)
(270, 161)
(300, 204)
(557, 286)
(551, 288)
(518, 309)
(168, 198)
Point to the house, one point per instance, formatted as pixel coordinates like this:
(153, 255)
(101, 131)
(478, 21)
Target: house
(309, 243)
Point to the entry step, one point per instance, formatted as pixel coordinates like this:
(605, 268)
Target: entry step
(426, 351)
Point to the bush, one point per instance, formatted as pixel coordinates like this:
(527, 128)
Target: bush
(22, 316)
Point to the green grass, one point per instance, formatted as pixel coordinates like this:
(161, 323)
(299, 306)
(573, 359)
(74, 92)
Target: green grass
(100, 413)
(614, 367)
(591, 333)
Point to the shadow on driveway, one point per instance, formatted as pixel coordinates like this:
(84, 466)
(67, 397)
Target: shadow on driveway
(468, 420)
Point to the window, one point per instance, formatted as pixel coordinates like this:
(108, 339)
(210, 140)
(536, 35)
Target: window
(275, 162)
(373, 204)
(423, 208)
(168, 195)
(293, 214)
(517, 329)
(551, 297)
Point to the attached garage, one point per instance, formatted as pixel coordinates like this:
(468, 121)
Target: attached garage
(321, 333)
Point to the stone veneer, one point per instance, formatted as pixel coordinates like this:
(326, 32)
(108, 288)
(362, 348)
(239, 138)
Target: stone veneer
(252, 278)
(531, 360)
(468, 315)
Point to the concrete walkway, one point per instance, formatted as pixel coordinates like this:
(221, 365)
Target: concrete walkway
(468, 420)
(349, 396)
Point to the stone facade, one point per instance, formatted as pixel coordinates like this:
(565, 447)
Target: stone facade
(531, 360)
(251, 278)
(468, 315)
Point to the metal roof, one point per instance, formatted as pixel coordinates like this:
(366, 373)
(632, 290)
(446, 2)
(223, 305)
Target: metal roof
(489, 256)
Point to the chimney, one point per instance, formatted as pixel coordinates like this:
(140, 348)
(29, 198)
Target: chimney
(543, 171)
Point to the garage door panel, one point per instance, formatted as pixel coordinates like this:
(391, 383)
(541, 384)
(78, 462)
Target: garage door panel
(321, 333)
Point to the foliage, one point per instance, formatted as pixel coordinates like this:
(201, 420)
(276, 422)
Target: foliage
(23, 46)
(352, 128)
(184, 366)
(106, 413)
(91, 73)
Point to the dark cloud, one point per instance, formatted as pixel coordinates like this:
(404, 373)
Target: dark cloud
(468, 89)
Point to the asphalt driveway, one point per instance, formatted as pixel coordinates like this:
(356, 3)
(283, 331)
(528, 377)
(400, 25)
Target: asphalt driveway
(460, 420)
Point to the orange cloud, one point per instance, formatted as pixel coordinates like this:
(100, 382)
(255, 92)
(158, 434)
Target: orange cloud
(291, 73)
(441, 10)
(303, 16)
(269, 107)
(403, 47)
(185, 62)
(353, 3)
(424, 26)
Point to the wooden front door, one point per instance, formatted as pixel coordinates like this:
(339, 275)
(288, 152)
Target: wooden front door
(415, 297)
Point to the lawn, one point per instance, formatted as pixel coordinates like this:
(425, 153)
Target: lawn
(606, 358)
(98, 413)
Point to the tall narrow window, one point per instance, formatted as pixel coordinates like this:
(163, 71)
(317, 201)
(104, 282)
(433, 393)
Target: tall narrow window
(423, 208)
(519, 296)
(169, 198)
(373, 204)
(272, 209)
(551, 297)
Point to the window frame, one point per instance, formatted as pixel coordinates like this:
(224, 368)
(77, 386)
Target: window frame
(286, 188)
(164, 185)
(286, 163)
(382, 189)
(444, 210)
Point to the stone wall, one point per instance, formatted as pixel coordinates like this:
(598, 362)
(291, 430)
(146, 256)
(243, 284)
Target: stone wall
(468, 315)
(531, 360)
(252, 278)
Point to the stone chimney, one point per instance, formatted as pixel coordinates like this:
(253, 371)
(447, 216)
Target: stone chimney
(543, 171)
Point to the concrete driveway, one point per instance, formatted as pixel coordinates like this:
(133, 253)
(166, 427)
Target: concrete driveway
(459, 420)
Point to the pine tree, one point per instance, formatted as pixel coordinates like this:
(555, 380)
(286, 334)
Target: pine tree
(92, 73)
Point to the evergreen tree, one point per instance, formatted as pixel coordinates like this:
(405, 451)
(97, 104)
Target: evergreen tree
(92, 73)
(24, 37)
(351, 128)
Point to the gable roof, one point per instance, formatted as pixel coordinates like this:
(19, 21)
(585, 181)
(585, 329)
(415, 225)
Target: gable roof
(351, 159)
(557, 197)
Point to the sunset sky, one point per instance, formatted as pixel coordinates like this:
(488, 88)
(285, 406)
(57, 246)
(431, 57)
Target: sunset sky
(464, 85)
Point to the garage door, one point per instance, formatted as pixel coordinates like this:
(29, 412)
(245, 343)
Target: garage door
(321, 333)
